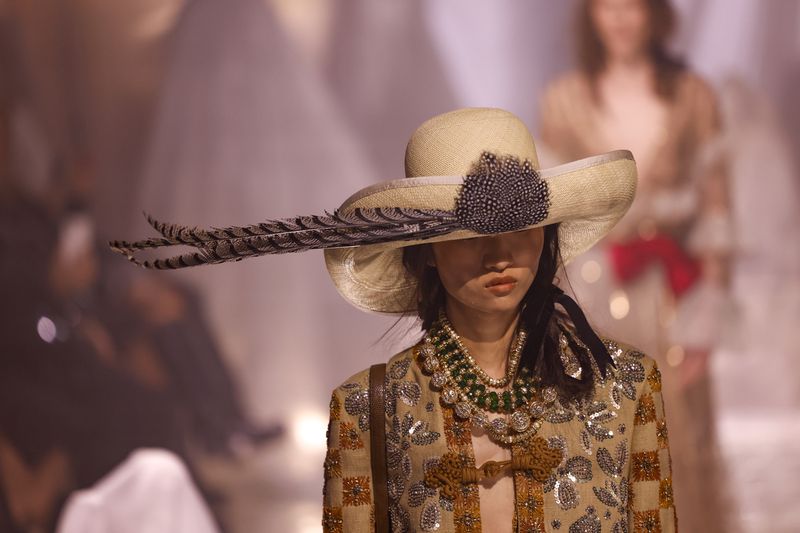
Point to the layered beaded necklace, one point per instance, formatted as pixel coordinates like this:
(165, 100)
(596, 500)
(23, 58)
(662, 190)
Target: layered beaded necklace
(481, 375)
(464, 386)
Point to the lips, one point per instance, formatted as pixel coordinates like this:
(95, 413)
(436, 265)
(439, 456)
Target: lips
(503, 280)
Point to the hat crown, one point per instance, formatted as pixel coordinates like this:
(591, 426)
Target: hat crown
(451, 143)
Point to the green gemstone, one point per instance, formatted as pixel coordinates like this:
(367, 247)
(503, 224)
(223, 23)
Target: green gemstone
(494, 401)
(507, 401)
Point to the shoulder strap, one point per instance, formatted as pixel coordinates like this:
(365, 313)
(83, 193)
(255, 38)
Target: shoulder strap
(377, 426)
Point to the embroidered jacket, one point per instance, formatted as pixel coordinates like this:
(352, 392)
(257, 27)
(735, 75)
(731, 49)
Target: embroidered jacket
(614, 475)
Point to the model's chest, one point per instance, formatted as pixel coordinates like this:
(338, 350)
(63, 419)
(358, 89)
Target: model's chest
(430, 448)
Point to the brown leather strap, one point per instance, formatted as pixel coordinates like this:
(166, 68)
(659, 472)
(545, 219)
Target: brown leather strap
(377, 427)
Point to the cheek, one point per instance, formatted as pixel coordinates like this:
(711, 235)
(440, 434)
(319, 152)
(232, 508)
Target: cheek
(529, 264)
(528, 248)
(456, 264)
(526, 260)
(635, 23)
(529, 257)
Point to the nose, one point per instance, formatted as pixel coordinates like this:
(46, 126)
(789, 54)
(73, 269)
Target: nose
(498, 254)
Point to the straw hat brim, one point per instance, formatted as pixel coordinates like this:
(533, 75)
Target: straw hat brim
(587, 198)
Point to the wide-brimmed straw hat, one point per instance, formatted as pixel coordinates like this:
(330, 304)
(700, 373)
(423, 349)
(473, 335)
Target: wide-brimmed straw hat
(470, 172)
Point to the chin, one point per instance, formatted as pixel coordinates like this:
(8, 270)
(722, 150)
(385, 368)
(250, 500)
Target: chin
(501, 305)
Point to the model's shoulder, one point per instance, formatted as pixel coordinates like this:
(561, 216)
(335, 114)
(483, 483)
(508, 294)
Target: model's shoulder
(572, 79)
(567, 87)
(694, 88)
(358, 380)
(398, 364)
(617, 348)
(694, 81)
(632, 365)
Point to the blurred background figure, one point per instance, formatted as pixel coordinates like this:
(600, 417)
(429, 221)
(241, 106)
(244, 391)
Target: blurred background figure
(219, 113)
(98, 360)
(660, 280)
(150, 492)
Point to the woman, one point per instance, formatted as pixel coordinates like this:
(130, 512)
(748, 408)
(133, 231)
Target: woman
(658, 280)
(508, 414)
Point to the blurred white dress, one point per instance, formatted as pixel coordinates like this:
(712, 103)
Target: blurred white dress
(246, 131)
(150, 492)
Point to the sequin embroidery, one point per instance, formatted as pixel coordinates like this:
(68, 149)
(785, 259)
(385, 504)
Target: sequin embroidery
(349, 439)
(646, 522)
(645, 411)
(332, 520)
(356, 491)
(645, 466)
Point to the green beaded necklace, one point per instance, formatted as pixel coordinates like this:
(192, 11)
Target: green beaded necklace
(464, 387)
(463, 372)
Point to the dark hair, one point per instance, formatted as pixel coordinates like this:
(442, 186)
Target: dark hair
(662, 20)
(541, 354)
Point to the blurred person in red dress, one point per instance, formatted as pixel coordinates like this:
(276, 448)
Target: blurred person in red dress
(659, 280)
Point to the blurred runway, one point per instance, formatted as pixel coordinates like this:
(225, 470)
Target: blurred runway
(762, 452)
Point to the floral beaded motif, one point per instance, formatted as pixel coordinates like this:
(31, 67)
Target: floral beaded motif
(665, 498)
(646, 410)
(646, 522)
(588, 523)
(349, 437)
(333, 464)
(409, 429)
(645, 466)
(661, 434)
(530, 498)
(654, 379)
(356, 491)
(572, 470)
(457, 432)
(332, 519)
(614, 477)
(335, 408)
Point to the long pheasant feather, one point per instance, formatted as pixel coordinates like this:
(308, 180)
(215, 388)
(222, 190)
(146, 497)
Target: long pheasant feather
(357, 227)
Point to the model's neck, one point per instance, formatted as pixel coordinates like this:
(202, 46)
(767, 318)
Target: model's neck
(637, 65)
(487, 335)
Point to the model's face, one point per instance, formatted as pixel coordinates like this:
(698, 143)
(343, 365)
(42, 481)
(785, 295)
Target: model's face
(622, 25)
(489, 274)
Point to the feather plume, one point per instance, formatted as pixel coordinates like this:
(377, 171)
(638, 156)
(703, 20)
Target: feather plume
(331, 230)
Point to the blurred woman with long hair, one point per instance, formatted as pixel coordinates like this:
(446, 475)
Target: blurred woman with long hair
(658, 280)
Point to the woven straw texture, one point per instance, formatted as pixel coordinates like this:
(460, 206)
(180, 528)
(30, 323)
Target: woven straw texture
(587, 197)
